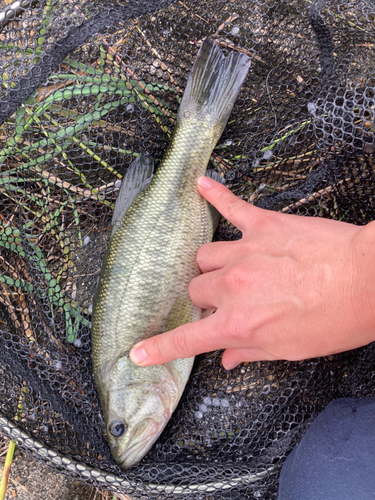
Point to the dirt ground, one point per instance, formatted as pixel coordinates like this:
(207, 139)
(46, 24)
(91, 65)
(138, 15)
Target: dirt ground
(32, 480)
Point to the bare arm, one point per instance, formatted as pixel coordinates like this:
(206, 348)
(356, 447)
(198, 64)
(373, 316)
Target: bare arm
(292, 288)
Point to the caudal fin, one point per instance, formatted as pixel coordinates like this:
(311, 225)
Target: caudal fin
(214, 82)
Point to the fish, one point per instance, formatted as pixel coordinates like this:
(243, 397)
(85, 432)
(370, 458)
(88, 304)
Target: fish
(159, 223)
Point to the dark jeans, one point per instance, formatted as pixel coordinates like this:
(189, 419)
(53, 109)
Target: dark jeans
(335, 459)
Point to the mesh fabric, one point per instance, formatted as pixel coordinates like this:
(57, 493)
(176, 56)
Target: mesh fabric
(85, 86)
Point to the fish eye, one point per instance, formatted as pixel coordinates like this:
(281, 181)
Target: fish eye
(117, 428)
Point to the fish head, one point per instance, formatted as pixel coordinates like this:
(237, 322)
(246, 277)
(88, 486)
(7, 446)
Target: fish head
(140, 402)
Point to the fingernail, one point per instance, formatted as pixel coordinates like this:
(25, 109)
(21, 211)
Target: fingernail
(138, 355)
(205, 182)
(230, 366)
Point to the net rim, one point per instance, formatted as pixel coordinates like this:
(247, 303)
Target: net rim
(87, 472)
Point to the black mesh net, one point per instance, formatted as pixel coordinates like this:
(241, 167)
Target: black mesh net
(85, 86)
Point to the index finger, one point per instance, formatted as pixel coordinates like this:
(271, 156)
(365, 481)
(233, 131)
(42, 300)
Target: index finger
(234, 209)
(183, 342)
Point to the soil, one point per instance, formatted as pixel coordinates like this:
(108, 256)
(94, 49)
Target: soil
(30, 479)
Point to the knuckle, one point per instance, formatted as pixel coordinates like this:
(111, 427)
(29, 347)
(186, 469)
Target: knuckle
(246, 246)
(233, 279)
(155, 347)
(234, 327)
(265, 218)
(233, 206)
(180, 344)
(203, 253)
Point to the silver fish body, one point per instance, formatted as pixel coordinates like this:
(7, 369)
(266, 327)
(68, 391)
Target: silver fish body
(151, 259)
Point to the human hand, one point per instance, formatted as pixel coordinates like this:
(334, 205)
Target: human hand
(292, 288)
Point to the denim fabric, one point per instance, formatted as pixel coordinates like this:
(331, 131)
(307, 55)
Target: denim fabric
(335, 459)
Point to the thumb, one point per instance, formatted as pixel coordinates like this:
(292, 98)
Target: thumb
(229, 205)
(182, 342)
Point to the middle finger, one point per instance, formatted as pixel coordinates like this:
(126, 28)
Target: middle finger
(213, 256)
(202, 292)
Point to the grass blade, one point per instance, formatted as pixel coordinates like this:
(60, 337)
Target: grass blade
(6, 470)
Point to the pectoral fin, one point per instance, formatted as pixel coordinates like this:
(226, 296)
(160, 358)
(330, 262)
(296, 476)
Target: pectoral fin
(136, 179)
(182, 311)
(213, 212)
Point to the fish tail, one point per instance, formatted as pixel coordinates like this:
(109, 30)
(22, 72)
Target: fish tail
(214, 83)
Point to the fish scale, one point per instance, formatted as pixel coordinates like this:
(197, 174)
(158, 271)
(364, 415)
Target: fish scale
(159, 226)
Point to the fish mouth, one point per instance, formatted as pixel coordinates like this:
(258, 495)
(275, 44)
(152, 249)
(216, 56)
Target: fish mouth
(141, 446)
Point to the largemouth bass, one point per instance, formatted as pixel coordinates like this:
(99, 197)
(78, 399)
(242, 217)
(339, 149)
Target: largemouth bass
(159, 223)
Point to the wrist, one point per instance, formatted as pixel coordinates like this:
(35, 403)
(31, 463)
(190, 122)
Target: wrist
(363, 261)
